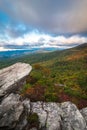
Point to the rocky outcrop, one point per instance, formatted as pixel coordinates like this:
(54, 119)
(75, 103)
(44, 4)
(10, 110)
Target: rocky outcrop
(72, 118)
(84, 113)
(10, 111)
(10, 76)
(49, 115)
(64, 116)
(17, 113)
(14, 113)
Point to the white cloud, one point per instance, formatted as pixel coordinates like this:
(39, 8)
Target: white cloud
(35, 39)
(68, 41)
(2, 49)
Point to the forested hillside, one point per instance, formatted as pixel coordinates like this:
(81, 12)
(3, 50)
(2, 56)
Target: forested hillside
(56, 76)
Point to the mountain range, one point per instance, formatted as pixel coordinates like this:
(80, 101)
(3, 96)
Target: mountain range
(17, 53)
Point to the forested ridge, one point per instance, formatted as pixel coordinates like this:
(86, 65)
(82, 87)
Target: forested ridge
(56, 76)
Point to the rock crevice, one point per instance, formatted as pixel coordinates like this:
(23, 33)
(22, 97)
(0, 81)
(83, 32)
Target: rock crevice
(52, 116)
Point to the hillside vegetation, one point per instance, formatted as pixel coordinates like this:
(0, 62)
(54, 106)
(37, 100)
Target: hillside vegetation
(56, 76)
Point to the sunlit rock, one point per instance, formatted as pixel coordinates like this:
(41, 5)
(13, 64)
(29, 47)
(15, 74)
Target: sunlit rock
(10, 77)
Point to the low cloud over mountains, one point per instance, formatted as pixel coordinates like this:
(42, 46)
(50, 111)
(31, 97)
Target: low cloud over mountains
(37, 40)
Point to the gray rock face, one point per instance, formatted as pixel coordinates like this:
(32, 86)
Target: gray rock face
(54, 113)
(52, 116)
(84, 113)
(11, 75)
(72, 118)
(55, 116)
(10, 110)
(37, 107)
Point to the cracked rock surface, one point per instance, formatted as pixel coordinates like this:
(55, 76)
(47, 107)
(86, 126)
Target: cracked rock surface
(72, 118)
(84, 114)
(52, 116)
(10, 110)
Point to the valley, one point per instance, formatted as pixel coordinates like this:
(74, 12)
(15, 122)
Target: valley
(56, 76)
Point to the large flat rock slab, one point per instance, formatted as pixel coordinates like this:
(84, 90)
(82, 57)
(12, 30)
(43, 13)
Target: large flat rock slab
(11, 75)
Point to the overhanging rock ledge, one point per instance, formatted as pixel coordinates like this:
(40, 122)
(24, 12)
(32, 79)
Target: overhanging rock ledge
(10, 76)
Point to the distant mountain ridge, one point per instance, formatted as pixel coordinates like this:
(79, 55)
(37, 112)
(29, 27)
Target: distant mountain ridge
(37, 55)
(82, 46)
(18, 53)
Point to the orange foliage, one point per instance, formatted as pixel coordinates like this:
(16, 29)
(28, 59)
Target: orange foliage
(46, 71)
(37, 66)
(77, 56)
(36, 93)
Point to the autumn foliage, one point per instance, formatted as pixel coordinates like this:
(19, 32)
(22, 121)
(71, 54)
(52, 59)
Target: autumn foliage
(44, 85)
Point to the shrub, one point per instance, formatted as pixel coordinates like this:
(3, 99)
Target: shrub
(33, 120)
(36, 93)
(37, 66)
(25, 87)
(31, 80)
(50, 97)
(82, 81)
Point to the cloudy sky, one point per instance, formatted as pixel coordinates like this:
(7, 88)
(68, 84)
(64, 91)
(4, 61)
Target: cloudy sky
(42, 23)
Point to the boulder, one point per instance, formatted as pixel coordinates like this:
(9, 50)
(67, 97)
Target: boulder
(72, 118)
(11, 109)
(10, 76)
(22, 123)
(84, 113)
(54, 113)
(49, 115)
(52, 116)
(37, 107)
(64, 116)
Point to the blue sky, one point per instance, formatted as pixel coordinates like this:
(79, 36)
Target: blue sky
(42, 23)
